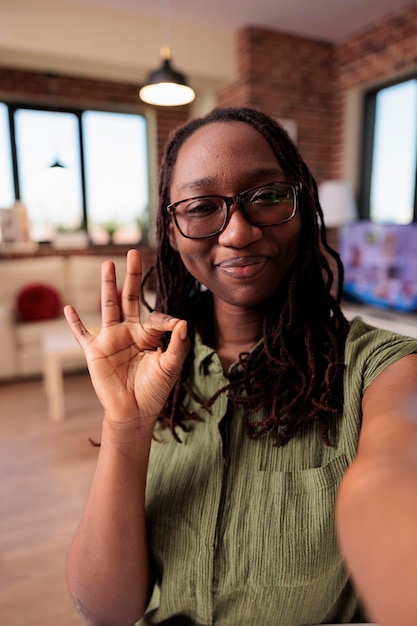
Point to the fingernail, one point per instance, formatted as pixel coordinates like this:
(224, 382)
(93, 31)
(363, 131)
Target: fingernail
(183, 331)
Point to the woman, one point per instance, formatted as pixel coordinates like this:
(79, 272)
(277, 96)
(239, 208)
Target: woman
(245, 413)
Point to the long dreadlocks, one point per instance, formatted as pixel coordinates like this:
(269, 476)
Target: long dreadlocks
(297, 370)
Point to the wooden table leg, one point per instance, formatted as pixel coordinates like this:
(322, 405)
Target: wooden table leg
(54, 386)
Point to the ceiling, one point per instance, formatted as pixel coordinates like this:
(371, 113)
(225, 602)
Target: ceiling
(120, 39)
(330, 20)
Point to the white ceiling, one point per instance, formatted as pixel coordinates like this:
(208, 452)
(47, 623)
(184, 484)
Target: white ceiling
(331, 20)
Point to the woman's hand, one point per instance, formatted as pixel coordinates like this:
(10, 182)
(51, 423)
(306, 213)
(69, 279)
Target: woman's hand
(131, 374)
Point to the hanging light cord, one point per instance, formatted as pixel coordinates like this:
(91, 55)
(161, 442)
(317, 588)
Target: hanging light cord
(166, 86)
(165, 10)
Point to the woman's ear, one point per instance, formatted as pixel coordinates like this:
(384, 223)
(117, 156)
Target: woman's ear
(171, 236)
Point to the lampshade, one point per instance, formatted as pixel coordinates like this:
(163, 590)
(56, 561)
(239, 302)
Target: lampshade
(56, 164)
(338, 203)
(166, 86)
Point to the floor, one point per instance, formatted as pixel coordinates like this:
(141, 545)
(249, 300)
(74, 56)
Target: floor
(45, 471)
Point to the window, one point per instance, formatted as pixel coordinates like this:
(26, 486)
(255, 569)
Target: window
(7, 195)
(390, 149)
(77, 170)
(116, 172)
(48, 164)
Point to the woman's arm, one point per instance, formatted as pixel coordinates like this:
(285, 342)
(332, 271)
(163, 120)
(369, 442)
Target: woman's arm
(108, 569)
(108, 566)
(377, 503)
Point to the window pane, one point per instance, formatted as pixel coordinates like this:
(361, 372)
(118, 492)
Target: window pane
(7, 196)
(115, 149)
(52, 195)
(394, 154)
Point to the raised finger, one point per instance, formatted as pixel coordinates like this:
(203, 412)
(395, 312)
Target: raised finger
(131, 286)
(110, 308)
(80, 332)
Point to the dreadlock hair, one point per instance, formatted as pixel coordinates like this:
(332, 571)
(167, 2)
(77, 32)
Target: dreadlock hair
(297, 370)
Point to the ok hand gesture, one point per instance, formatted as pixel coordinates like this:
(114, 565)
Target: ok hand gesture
(131, 374)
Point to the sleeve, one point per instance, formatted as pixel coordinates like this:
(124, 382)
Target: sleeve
(370, 350)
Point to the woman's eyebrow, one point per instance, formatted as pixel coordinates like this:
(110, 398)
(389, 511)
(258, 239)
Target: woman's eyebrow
(198, 183)
(208, 181)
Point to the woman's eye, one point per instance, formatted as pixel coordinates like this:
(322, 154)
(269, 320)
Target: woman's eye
(201, 209)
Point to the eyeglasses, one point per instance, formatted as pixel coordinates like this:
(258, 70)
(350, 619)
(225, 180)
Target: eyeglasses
(205, 216)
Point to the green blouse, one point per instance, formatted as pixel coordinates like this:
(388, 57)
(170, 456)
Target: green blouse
(242, 533)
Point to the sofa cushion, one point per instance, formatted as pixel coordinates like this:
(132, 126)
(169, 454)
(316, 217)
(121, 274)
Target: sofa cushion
(17, 273)
(38, 301)
(32, 333)
(84, 277)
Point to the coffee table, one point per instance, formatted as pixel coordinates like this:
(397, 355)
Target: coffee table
(59, 349)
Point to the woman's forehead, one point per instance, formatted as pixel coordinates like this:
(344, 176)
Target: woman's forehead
(223, 150)
(220, 132)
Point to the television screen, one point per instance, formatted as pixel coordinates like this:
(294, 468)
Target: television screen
(380, 264)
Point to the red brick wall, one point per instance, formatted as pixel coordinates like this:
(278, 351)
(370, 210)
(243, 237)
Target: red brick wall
(293, 78)
(167, 120)
(27, 86)
(373, 56)
(307, 81)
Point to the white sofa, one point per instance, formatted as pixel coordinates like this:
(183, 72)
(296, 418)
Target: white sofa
(76, 277)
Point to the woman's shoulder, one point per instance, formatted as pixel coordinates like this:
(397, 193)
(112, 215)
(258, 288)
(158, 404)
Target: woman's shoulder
(369, 350)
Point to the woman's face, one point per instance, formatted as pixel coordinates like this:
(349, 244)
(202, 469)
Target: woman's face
(244, 264)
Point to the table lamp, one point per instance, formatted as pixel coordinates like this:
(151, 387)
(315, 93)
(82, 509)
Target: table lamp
(338, 203)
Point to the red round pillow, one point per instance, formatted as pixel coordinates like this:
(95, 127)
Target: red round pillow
(38, 301)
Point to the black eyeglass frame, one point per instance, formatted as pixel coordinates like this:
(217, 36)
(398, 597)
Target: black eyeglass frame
(238, 199)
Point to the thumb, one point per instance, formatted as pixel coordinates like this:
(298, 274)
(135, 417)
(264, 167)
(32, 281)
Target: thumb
(172, 360)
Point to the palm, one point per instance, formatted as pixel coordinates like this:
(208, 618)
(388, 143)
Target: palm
(127, 370)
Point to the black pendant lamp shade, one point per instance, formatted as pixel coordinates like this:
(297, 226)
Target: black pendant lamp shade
(57, 164)
(166, 86)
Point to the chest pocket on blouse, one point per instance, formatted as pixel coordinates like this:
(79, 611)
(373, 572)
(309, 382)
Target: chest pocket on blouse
(278, 528)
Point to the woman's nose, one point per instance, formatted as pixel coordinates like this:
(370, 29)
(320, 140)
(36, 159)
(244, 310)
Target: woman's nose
(239, 232)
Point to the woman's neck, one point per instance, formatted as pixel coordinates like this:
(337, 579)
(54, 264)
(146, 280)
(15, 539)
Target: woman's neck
(236, 330)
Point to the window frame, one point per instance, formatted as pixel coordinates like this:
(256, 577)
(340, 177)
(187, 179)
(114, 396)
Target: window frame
(119, 108)
(367, 147)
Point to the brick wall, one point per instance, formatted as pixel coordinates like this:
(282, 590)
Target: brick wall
(289, 77)
(308, 81)
(167, 120)
(373, 57)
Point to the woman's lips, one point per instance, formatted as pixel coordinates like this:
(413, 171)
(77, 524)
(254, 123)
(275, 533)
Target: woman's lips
(242, 267)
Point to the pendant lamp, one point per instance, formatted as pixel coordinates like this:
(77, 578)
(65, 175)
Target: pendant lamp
(56, 163)
(166, 86)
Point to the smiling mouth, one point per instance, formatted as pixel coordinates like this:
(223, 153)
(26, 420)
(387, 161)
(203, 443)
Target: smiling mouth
(242, 267)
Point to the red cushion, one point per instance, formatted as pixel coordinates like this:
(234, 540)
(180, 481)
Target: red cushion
(38, 301)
